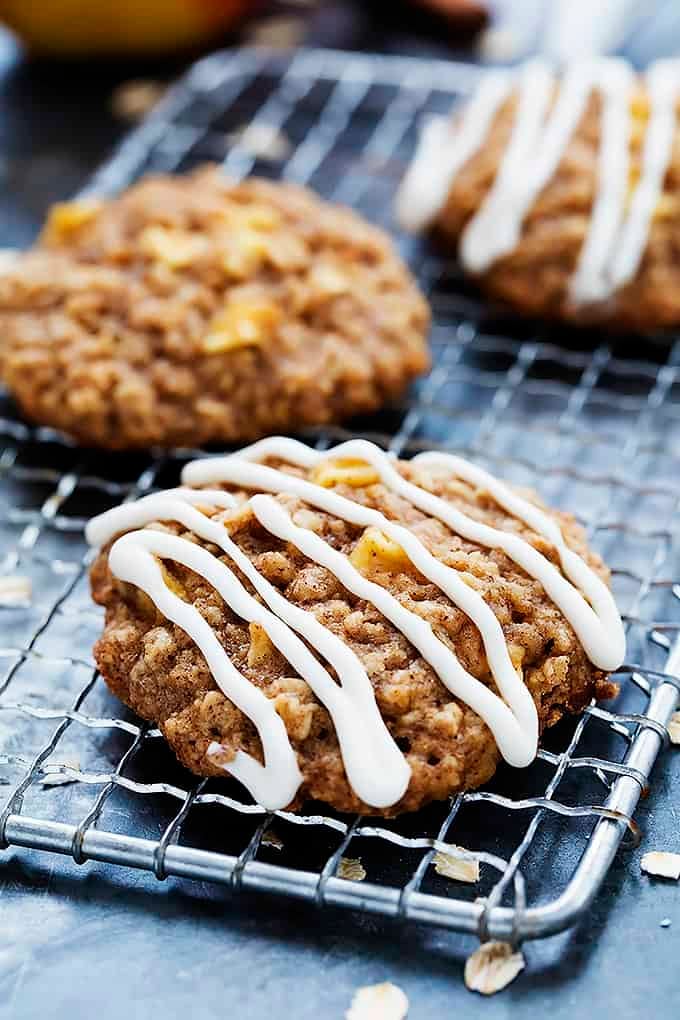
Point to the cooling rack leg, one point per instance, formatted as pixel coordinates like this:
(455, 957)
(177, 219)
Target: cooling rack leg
(568, 908)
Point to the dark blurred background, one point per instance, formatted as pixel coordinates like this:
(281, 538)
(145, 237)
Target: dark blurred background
(65, 101)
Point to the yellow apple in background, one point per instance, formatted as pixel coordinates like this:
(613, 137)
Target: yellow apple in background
(133, 27)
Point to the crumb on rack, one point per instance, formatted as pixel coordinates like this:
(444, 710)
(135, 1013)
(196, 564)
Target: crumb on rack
(15, 591)
(378, 1002)
(61, 778)
(133, 99)
(661, 864)
(492, 967)
(282, 32)
(674, 728)
(263, 141)
(460, 869)
(351, 868)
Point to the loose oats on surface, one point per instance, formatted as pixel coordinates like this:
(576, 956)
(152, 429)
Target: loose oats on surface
(661, 864)
(61, 778)
(351, 868)
(457, 868)
(378, 1002)
(492, 967)
(674, 728)
(15, 591)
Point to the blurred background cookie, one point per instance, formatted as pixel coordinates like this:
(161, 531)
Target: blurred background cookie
(191, 310)
(561, 195)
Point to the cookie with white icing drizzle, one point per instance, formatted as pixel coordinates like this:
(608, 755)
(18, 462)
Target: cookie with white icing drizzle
(561, 193)
(344, 626)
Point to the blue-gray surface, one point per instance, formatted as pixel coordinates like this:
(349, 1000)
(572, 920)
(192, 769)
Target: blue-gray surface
(93, 941)
(96, 942)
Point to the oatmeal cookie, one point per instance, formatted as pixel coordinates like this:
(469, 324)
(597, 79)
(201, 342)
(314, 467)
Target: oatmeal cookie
(191, 310)
(561, 196)
(345, 627)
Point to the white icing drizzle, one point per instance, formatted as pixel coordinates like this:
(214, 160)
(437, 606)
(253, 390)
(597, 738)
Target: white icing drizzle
(444, 147)
(375, 768)
(599, 629)
(663, 84)
(596, 622)
(494, 228)
(517, 733)
(590, 282)
(615, 241)
(133, 559)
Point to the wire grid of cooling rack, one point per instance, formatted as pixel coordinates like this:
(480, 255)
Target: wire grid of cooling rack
(593, 422)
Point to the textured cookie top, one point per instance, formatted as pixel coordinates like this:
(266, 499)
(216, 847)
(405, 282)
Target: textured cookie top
(346, 626)
(192, 310)
(561, 192)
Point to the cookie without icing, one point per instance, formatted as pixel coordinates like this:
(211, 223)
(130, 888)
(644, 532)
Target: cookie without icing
(191, 310)
(370, 633)
(561, 195)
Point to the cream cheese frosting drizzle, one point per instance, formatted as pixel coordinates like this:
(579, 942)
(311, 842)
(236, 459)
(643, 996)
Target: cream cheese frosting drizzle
(375, 767)
(534, 151)
(616, 238)
(134, 558)
(444, 147)
(590, 282)
(663, 83)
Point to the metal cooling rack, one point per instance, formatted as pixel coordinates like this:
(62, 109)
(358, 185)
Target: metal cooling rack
(593, 422)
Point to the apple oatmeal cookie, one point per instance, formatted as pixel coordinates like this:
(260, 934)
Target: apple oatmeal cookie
(346, 627)
(561, 195)
(191, 310)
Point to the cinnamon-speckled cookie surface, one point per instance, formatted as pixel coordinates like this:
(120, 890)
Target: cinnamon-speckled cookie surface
(156, 668)
(191, 310)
